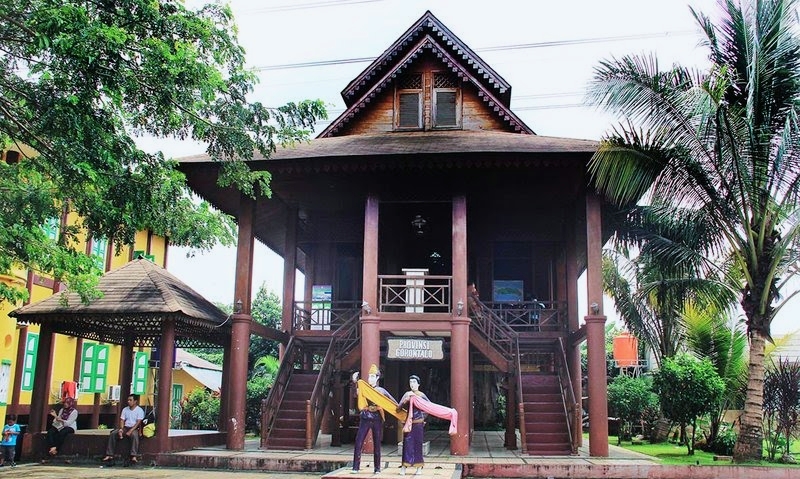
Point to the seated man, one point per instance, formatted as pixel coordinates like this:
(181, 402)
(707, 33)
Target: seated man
(129, 422)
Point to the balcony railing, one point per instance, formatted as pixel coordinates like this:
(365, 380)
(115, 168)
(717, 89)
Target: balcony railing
(415, 294)
(532, 316)
(323, 316)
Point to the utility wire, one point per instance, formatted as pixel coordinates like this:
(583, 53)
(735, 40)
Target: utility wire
(307, 6)
(516, 46)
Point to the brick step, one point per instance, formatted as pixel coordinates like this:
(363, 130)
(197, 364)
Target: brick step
(547, 438)
(286, 444)
(543, 407)
(535, 417)
(292, 422)
(287, 433)
(546, 427)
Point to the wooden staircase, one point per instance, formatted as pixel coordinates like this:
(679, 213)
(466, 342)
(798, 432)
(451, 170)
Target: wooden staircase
(546, 430)
(289, 428)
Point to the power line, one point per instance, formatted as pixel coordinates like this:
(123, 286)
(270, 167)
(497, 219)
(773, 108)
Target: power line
(516, 46)
(308, 6)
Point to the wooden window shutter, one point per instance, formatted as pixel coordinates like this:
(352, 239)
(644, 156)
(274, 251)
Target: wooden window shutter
(446, 108)
(410, 110)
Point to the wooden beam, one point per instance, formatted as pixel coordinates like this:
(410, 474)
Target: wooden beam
(270, 333)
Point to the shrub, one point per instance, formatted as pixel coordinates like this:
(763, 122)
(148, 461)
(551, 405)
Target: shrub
(201, 410)
(688, 389)
(628, 399)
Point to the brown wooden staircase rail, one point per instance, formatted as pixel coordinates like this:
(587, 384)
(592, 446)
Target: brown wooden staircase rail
(571, 408)
(269, 406)
(343, 340)
(494, 330)
(504, 339)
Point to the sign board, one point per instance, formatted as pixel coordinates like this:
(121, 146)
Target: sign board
(415, 348)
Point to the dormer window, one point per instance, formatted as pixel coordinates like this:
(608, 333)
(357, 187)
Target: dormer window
(427, 101)
(446, 113)
(408, 111)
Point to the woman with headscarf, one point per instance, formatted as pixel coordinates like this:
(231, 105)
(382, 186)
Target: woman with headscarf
(413, 439)
(64, 423)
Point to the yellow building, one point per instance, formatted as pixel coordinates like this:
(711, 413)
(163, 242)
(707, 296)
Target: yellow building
(89, 368)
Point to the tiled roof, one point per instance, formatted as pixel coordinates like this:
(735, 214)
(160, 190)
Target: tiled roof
(137, 298)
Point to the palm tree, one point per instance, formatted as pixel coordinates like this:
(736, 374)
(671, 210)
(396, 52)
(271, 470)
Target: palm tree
(720, 148)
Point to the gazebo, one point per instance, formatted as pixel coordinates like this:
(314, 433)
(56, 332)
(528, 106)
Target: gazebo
(142, 305)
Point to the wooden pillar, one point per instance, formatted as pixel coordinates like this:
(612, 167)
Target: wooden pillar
(511, 410)
(308, 286)
(22, 344)
(460, 391)
(166, 348)
(574, 350)
(460, 371)
(126, 356)
(595, 331)
(41, 382)
(370, 328)
(225, 387)
(289, 272)
(94, 420)
(240, 329)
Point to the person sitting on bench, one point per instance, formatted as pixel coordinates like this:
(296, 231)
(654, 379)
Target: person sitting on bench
(129, 422)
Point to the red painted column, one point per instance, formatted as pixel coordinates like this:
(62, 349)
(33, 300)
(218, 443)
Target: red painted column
(574, 350)
(125, 374)
(167, 351)
(289, 271)
(595, 331)
(460, 370)
(460, 391)
(40, 395)
(240, 327)
(370, 322)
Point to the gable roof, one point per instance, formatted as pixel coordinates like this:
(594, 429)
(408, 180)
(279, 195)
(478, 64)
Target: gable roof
(428, 33)
(137, 298)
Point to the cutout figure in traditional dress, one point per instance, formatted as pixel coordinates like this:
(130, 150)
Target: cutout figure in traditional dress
(372, 401)
(413, 439)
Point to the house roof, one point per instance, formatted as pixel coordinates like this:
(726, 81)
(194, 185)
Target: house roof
(419, 142)
(184, 357)
(428, 34)
(137, 299)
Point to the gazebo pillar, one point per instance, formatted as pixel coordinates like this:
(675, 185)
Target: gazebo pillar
(240, 328)
(595, 331)
(37, 421)
(22, 344)
(166, 350)
(125, 374)
(460, 390)
(225, 388)
(289, 272)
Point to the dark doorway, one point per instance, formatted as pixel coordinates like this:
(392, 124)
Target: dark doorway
(416, 235)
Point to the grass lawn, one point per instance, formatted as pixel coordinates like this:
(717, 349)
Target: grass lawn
(673, 454)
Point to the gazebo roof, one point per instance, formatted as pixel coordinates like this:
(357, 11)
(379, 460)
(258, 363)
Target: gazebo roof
(137, 299)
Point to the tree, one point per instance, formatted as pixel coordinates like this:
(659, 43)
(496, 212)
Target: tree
(628, 399)
(720, 151)
(266, 309)
(687, 388)
(78, 82)
(711, 335)
(782, 404)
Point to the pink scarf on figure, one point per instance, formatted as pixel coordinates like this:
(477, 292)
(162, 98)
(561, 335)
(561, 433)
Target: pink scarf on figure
(434, 409)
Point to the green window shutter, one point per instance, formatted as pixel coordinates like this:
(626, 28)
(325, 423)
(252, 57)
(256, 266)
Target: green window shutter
(51, 227)
(99, 252)
(140, 365)
(101, 368)
(87, 366)
(139, 253)
(29, 364)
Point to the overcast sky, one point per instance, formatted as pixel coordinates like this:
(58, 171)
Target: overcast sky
(546, 50)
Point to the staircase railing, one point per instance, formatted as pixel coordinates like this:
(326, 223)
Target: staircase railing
(571, 407)
(270, 405)
(342, 342)
(494, 330)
